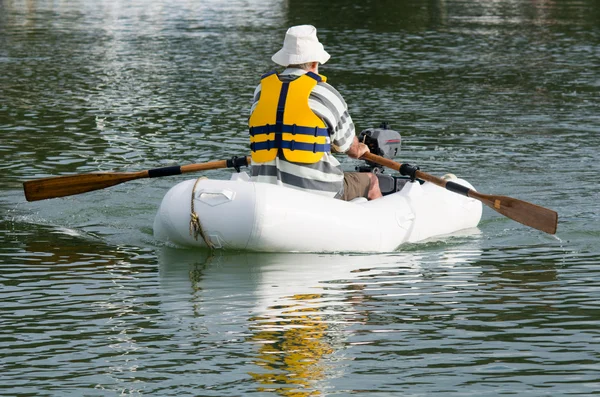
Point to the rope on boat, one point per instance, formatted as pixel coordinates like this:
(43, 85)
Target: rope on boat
(195, 224)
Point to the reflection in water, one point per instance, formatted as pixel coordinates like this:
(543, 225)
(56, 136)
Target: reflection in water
(291, 351)
(300, 307)
(483, 313)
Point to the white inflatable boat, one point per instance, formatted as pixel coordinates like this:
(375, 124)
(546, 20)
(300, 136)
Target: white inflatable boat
(242, 215)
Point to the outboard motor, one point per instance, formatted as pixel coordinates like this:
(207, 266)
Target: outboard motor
(383, 142)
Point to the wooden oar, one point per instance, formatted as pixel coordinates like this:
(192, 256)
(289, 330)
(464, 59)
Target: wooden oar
(68, 185)
(521, 211)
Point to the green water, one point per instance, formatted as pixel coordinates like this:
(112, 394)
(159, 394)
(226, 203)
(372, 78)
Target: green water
(502, 93)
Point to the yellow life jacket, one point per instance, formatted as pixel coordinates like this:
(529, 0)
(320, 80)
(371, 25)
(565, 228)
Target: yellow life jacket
(283, 121)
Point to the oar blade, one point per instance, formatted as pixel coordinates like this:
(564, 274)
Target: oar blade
(528, 214)
(521, 211)
(68, 185)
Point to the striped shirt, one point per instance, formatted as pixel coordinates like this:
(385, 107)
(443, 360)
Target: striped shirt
(325, 177)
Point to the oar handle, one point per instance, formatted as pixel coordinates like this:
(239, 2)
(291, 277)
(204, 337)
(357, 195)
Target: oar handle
(414, 173)
(234, 162)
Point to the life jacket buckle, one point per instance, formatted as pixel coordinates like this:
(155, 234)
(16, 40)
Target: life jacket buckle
(292, 143)
(293, 129)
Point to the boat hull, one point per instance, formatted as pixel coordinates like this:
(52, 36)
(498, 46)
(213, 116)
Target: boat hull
(242, 215)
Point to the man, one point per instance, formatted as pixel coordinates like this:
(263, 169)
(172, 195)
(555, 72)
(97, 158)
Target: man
(297, 120)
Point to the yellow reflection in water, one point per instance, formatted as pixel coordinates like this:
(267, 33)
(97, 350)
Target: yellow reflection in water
(291, 349)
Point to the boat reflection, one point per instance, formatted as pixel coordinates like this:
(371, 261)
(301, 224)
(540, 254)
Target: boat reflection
(296, 310)
(291, 350)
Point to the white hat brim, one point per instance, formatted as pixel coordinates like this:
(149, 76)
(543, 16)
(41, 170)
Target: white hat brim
(284, 58)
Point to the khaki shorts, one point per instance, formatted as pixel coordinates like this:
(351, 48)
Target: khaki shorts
(356, 184)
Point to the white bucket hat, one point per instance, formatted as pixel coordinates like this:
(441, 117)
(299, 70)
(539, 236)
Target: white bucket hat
(301, 45)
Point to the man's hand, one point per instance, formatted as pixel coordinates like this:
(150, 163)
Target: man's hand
(357, 149)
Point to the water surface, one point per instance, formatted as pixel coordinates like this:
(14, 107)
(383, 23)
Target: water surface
(502, 93)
